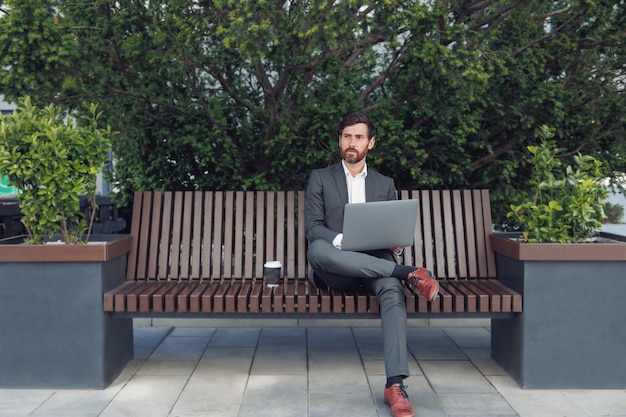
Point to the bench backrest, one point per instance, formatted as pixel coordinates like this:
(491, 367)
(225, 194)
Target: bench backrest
(212, 235)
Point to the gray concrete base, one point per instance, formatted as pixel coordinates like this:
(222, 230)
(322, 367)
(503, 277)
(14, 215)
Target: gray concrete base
(53, 329)
(572, 333)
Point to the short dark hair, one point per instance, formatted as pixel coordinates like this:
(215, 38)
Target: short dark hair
(356, 118)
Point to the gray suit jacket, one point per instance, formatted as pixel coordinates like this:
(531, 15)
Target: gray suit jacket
(327, 194)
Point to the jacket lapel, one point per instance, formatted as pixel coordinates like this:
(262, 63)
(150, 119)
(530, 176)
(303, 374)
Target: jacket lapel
(340, 180)
(370, 188)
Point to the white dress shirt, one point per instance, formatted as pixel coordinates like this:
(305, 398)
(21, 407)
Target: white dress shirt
(356, 193)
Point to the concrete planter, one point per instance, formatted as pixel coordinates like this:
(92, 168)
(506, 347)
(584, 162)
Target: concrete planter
(54, 331)
(572, 331)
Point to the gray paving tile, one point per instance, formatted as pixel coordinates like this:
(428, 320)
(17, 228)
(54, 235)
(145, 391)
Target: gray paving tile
(469, 337)
(193, 331)
(217, 386)
(280, 360)
(434, 352)
(232, 360)
(146, 339)
(207, 395)
(433, 344)
(180, 348)
(175, 356)
(282, 336)
(481, 358)
(455, 377)
(155, 367)
(330, 337)
(482, 405)
(280, 352)
(17, 402)
(75, 403)
(275, 396)
(235, 337)
(152, 396)
(535, 403)
(338, 374)
(342, 404)
(428, 337)
(598, 403)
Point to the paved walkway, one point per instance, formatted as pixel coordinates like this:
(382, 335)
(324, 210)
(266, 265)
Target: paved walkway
(315, 372)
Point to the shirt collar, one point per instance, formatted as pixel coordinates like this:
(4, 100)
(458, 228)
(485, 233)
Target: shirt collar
(345, 170)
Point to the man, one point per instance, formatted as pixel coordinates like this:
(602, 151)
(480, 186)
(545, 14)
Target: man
(328, 191)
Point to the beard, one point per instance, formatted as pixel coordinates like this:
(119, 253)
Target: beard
(352, 156)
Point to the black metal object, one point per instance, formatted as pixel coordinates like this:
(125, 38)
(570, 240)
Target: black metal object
(106, 221)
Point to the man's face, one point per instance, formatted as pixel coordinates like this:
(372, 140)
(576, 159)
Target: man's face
(354, 144)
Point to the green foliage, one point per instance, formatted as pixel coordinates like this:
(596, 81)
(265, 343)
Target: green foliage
(233, 94)
(614, 213)
(52, 161)
(568, 204)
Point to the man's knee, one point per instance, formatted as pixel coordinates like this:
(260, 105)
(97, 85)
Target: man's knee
(315, 253)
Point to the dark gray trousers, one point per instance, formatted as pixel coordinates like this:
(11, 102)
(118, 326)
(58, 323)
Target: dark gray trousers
(345, 270)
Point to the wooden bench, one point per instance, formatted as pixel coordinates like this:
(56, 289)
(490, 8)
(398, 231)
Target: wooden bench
(201, 254)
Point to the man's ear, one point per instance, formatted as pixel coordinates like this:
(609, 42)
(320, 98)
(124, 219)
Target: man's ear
(370, 145)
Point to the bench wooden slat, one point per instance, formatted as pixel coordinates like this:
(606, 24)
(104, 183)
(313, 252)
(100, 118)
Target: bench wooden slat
(195, 298)
(183, 297)
(196, 250)
(469, 298)
(231, 297)
(482, 299)
(217, 300)
(427, 237)
(145, 298)
(172, 297)
(459, 234)
(448, 255)
(481, 249)
(445, 299)
(302, 296)
(290, 298)
(457, 299)
(238, 254)
(267, 296)
(109, 296)
(255, 298)
(216, 238)
(207, 235)
(207, 298)
(186, 239)
(279, 234)
(249, 235)
(227, 264)
(243, 296)
(158, 297)
(132, 297)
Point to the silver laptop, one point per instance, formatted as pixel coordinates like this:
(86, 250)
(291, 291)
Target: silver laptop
(379, 225)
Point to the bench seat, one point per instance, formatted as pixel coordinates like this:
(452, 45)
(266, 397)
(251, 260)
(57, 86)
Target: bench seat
(202, 254)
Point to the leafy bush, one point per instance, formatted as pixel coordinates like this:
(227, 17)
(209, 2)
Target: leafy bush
(614, 213)
(568, 204)
(52, 160)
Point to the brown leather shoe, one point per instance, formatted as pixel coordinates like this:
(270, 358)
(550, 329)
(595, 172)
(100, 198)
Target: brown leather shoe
(398, 401)
(421, 280)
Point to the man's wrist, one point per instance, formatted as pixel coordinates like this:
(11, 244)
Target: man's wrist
(338, 240)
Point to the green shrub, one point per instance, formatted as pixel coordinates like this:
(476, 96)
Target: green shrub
(52, 160)
(569, 200)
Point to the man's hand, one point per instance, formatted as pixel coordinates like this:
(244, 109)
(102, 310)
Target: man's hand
(397, 251)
